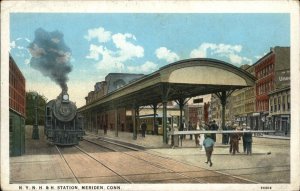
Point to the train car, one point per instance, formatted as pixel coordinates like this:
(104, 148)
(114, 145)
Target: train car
(63, 125)
(148, 119)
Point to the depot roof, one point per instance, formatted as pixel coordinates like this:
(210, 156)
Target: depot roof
(182, 79)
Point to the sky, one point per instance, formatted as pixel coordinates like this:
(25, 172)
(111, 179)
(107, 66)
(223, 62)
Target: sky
(95, 44)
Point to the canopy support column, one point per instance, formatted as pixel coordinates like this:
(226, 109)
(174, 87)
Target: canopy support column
(223, 98)
(181, 103)
(116, 122)
(155, 125)
(165, 91)
(135, 115)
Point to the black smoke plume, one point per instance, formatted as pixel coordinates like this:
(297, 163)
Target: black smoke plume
(51, 56)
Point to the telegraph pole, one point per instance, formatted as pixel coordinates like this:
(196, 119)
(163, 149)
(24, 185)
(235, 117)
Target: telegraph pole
(35, 131)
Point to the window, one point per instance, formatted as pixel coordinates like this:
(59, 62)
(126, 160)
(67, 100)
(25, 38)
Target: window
(275, 104)
(283, 103)
(271, 109)
(288, 102)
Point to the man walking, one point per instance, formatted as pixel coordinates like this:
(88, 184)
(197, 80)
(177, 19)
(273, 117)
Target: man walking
(209, 147)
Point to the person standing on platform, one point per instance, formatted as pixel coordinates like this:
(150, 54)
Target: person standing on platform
(243, 137)
(181, 128)
(143, 127)
(190, 128)
(214, 127)
(224, 135)
(209, 147)
(197, 135)
(105, 129)
(201, 136)
(248, 141)
(156, 128)
(234, 141)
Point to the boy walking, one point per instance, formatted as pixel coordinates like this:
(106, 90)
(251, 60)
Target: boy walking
(209, 147)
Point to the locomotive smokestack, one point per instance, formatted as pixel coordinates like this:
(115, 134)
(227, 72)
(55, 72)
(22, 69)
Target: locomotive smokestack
(51, 56)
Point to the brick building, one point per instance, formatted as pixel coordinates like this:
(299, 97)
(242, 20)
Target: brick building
(17, 99)
(269, 71)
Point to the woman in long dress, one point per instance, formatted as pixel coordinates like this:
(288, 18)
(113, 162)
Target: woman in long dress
(201, 137)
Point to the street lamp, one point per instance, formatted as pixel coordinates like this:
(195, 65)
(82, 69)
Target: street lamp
(35, 131)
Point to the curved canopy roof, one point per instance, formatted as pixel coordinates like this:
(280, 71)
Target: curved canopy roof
(182, 79)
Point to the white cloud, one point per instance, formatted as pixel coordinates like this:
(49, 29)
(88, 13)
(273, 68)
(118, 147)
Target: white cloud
(114, 60)
(165, 54)
(27, 61)
(127, 50)
(147, 67)
(100, 33)
(228, 51)
(260, 56)
(20, 44)
(95, 51)
(12, 45)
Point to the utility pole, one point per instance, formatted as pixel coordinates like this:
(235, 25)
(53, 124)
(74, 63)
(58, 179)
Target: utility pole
(35, 131)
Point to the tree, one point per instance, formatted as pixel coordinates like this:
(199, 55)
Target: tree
(30, 108)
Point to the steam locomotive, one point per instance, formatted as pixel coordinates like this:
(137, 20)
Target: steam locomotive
(63, 126)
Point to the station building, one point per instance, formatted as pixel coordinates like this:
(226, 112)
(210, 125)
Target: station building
(101, 120)
(178, 82)
(17, 101)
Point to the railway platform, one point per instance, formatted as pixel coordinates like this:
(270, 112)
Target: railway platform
(146, 160)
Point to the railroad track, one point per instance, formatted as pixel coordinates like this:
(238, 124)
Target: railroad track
(107, 146)
(161, 166)
(92, 157)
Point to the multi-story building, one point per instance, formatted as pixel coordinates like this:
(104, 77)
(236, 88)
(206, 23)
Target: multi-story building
(17, 101)
(269, 71)
(280, 111)
(197, 109)
(216, 109)
(113, 81)
(243, 103)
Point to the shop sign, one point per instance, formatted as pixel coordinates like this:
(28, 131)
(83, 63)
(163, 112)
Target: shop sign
(282, 78)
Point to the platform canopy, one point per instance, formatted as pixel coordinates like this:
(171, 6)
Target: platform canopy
(179, 80)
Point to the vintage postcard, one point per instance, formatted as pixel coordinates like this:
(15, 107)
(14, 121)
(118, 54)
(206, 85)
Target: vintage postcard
(150, 95)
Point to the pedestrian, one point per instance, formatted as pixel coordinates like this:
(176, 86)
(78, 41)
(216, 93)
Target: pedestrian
(227, 128)
(143, 127)
(209, 147)
(105, 129)
(197, 135)
(214, 127)
(156, 128)
(201, 136)
(190, 128)
(244, 143)
(181, 128)
(248, 141)
(234, 141)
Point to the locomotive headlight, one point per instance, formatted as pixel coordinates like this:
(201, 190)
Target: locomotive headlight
(66, 97)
